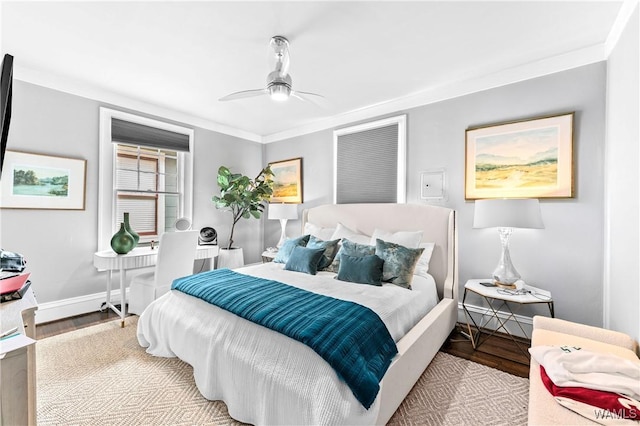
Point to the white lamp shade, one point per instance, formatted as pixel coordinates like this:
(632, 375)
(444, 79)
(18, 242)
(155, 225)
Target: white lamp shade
(283, 211)
(507, 213)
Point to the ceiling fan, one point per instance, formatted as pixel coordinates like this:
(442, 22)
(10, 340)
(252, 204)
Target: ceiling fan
(278, 80)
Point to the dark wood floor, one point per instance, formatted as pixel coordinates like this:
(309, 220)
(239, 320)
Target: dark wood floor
(498, 352)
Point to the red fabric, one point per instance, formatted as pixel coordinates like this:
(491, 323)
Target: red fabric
(603, 400)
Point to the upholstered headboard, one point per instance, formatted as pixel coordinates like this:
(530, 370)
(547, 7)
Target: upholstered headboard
(437, 223)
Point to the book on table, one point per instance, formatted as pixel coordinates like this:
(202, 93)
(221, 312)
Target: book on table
(13, 287)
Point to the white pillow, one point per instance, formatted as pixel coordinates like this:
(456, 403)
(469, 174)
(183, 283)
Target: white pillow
(422, 267)
(344, 232)
(322, 233)
(409, 239)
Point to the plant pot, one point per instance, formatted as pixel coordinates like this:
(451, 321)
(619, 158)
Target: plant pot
(230, 258)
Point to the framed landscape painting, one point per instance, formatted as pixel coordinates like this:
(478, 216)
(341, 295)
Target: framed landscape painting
(524, 159)
(34, 181)
(287, 179)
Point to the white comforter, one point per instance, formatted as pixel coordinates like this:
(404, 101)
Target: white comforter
(263, 376)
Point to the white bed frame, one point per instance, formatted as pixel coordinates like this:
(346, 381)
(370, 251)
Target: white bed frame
(418, 347)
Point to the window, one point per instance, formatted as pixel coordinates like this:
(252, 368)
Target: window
(145, 170)
(370, 162)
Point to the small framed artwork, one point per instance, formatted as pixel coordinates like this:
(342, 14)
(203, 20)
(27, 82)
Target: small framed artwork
(287, 178)
(524, 159)
(36, 181)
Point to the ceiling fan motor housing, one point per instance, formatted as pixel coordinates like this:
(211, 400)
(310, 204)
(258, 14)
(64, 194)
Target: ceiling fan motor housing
(279, 86)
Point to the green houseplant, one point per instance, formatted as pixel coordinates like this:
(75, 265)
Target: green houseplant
(243, 196)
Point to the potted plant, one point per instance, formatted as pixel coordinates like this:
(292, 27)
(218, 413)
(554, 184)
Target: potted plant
(244, 198)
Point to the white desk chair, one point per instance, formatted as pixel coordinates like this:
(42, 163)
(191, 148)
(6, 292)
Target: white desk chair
(176, 255)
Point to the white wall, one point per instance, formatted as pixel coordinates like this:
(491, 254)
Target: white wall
(59, 245)
(622, 274)
(567, 256)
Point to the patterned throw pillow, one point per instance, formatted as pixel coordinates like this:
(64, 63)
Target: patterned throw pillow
(399, 262)
(287, 247)
(352, 249)
(330, 250)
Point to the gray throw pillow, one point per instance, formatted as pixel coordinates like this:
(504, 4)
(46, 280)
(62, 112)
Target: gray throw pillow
(330, 250)
(352, 249)
(287, 247)
(362, 270)
(304, 259)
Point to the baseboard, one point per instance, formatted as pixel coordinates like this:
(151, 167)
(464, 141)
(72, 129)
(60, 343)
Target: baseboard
(65, 308)
(478, 312)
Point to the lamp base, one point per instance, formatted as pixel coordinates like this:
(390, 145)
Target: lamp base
(504, 285)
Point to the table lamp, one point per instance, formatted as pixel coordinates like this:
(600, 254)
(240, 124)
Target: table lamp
(506, 214)
(283, 212)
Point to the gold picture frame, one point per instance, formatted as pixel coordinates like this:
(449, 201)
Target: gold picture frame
(287, 181)
(38, 181)
(521, 159)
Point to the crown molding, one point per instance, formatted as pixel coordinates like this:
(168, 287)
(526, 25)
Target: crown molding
(79, 88)
(476, 83)
(626, 10)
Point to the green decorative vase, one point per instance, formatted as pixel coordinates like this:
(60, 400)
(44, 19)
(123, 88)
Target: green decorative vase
(133, 233)
(122, 242)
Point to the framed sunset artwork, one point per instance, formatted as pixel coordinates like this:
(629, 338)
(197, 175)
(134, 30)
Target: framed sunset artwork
(523, 159)
(287, 181)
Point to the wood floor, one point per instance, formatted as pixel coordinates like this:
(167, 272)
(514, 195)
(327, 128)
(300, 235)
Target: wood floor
(498, 352)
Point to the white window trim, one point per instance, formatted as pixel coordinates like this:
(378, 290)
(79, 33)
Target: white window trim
(106, 176)
(401, 121)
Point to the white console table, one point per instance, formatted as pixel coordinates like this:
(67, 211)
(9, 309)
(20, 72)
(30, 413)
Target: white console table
(139, 257)
(18, 361)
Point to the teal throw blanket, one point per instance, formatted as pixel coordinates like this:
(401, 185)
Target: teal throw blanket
(350, 337)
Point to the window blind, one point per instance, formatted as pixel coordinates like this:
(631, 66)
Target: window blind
(367, 166)
(123, 131)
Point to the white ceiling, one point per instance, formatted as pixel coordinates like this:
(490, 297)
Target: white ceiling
(366, 58)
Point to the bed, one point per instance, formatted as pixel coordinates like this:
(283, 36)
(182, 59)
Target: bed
(265, 377)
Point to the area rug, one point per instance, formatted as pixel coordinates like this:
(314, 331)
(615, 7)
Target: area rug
(100, 376)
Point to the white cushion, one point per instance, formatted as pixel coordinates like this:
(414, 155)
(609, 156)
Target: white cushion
(422, 267)
(344, 232)
(322, 233)
(409, 239)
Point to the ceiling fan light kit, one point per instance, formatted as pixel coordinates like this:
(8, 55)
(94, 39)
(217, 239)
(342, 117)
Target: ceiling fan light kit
(279, 81)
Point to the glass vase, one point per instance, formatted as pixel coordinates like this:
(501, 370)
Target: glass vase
(122, 242)
(133, 233)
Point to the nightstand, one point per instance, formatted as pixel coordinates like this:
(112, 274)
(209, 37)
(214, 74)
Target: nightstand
(268, 256)
(498, 298)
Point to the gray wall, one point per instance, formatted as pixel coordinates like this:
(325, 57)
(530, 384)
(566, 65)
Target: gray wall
(567, 256)
(59, 245)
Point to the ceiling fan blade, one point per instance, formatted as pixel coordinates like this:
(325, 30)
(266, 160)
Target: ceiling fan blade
(310, 97)
(306, 96)
(244, 94)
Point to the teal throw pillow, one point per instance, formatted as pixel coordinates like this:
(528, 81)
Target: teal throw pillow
(287, 247)
(330, 250)
(351, 249)
(304, 259)
(363, 270)
(399, 262)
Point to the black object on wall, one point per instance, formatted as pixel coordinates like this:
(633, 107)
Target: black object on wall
(6, 88)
